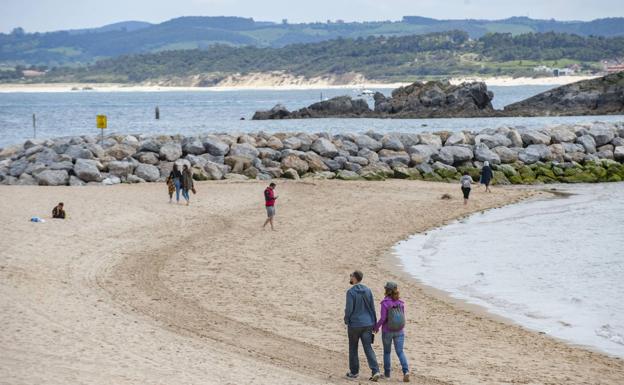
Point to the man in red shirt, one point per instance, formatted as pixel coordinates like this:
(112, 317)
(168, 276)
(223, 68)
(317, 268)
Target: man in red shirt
(269, 202)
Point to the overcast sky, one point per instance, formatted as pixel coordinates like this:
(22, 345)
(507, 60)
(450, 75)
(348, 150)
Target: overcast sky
(50, 15)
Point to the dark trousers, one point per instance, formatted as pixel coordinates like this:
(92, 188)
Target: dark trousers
(366, 335)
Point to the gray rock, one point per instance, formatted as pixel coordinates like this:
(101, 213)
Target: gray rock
(52, 178)
(358, 160)
(213, 171)
(48, 156)
(617, 141)
(534, 137)
(424, 168)
(455, 139)
(245, 150)
(618, 153)
(120, 168)
(290, 173)
(268, 153)
(292, 143)
(18, 167)
(483, 153)
(347, 175)
(75, 181)
(147, 172)
(392, 142)
(602, 134)
(515, 137)
(534, 153)
(193, 146)
(493, 140)
(573, 147)
(147, 157)
(26, 180)
(150, 145)
(352, 166)
(430, 139)
(316, 162)
(213, 158)
(389, 156)
(421, 153)
(121, 151)
(65, 165)
(33, 150)
(324, 148)
(111, 180)
(588, 142)
(87, 170)
(441, 166)
(562, 134)
(135, 179)
(365, 141)
(408, 139)
(506, 154)
(78, 152)
(170, 151)
(350, 147)
(333, 164)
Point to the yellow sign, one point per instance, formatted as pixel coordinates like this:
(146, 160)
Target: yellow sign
(101, 121)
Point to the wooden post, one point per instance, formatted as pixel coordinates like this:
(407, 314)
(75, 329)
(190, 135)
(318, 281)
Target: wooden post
(157, 112)
(34, 126)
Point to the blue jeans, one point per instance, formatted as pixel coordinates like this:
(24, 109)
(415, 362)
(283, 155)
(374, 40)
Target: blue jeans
(366, 335)
(178, 186)
(398, 338)
(185, 194)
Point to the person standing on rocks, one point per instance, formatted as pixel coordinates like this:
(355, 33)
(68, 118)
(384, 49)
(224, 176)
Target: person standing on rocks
(466, 184)
(187, 184)
(486, 175)
(269, 203)
(174, 182)
(360, 318)
(392, 321)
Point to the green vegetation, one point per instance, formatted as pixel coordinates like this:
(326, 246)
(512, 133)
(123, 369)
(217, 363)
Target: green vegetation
(402, 58)
(125, 38)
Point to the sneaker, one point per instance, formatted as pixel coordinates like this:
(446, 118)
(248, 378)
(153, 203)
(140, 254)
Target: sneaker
(375, 377)
(351, 376)
(406, 377)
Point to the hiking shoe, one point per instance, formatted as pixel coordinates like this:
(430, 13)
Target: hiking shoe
(375, 377)
(351, 376)
(406, 377)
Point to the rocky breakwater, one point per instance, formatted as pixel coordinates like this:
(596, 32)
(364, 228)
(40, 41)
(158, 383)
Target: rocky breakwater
(601, 96)
(570, 153)
(434, 99)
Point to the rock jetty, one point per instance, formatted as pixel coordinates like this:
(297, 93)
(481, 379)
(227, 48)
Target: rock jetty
(601, 96)
(433, 99)
(565, 153)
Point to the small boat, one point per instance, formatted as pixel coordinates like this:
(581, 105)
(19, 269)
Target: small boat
(364, 92)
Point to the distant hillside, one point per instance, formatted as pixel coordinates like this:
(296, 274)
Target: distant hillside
(403, 58)
(86, 46)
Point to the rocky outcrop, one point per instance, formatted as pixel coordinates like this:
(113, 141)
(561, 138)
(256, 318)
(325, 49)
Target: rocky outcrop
(418, 100)
(564, 153)
(601, 96)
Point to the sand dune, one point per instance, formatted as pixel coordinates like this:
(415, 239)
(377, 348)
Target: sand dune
(132, 290)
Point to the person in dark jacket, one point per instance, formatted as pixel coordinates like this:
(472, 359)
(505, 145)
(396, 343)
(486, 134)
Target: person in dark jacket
(187, 183)
(58, 212)
(174, 182)
(486, 175)
(360, 318)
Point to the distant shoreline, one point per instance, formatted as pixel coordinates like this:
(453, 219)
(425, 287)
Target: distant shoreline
(120, 87)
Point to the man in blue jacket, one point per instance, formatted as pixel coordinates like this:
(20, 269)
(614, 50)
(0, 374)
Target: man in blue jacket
(360, 318)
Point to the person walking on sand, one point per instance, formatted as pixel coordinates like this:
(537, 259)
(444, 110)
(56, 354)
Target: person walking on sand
(486, 175)
(269, 203)
(392, 321)
(174, 183)
(360, 318)
(58, 212)
(187, 184)
(466, 183)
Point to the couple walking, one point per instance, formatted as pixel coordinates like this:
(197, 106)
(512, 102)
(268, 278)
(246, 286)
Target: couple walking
(180, 181)
(361, 320)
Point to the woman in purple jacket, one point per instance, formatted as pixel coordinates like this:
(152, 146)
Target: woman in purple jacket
(392, 322)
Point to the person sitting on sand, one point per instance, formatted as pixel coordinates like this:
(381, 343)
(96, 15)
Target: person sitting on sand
(269, 203)
(174, 183)
(187, 184)
(392, 321)
(486, 175)
(466, 183)
(58, 212)
(360, 318)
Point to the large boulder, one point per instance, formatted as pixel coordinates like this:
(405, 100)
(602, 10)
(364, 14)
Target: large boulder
(430, 140)
(170, 151)
(365, 141)
(455, 139)
(149, 145)
(454, 154)
(120, 168)
(245, 150)
(588, 142)
(295, 163)
(316, 162)
(390, 156)
(87, 170)
(78, 152)
(216, 147)
(618, 153)
(193, 146)
(506, 154)
(324, 148)
(147, 172)
(393, 143)
(534, 153)
(52, 178)
(601, 133)
(121, 151)
(534, 137)
(483, 153)
(493, 141)
(562, 134)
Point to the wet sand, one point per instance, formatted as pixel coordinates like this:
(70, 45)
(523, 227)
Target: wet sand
(132, 290)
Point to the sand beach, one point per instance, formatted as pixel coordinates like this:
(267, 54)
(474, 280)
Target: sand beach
(132, 290)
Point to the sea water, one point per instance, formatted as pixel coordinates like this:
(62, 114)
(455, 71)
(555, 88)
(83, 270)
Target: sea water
(552, 265)
(194, 112)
